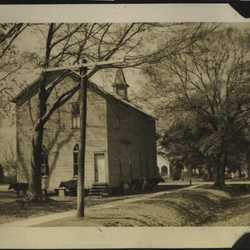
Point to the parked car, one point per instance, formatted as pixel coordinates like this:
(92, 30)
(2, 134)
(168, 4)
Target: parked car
(70, 187)
(153, 182)
(19, 188)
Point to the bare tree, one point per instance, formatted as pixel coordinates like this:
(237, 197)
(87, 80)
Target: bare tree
(70, 43)
(9, 62)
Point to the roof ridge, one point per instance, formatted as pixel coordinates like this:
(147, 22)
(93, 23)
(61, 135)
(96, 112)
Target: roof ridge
(33, 88)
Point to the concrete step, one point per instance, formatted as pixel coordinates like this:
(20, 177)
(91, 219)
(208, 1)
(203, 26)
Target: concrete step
(99, 189)
(100, 185)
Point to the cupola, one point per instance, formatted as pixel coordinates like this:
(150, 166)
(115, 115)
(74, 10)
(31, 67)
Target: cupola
(120, 86)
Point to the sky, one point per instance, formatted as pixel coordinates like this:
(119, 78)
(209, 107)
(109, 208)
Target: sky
(33, 42)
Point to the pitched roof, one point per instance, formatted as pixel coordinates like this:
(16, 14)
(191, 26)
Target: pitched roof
(102, 91)
(33, 88)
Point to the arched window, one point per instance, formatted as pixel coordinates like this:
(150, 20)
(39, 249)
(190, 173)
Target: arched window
(44, 162)
(164, 170)
(75, 159)
(75, 115)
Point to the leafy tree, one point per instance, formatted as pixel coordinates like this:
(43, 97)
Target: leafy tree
(211, 83)
(181, 141)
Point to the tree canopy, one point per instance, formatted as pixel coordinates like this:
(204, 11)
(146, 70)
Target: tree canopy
(210, 87)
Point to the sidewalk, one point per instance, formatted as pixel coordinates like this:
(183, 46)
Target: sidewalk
(62, 215)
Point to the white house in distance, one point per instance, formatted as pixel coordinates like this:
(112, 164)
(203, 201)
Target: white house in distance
(163, 165)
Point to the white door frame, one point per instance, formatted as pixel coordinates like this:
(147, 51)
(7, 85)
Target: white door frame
(95, 166)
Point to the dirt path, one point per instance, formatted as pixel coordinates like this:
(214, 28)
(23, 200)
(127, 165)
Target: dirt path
(192, 206)
(189, 207)
(98, 208)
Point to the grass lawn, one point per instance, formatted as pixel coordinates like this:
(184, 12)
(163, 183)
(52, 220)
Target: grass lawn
(237, 212)
(203, 206)
(234, 190)
(10, 210)
(186, 208)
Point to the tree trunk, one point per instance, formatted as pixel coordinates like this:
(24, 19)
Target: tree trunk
(240, 172)
(37, 144)
(190, 174)
(35, 185)
(248, 170)
(210, 173)
(217, 175)
(220, 172)
(222, 176)
(248, 165)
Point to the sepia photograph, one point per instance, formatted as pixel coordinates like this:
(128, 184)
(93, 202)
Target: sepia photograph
(124, 124)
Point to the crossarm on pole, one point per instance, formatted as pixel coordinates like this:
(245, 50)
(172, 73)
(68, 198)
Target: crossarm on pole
(88, 65)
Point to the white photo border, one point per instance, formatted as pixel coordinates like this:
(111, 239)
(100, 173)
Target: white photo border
(126, 237)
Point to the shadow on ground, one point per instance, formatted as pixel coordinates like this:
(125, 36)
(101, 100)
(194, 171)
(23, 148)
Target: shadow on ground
(185, 208)
(202, 206)
(10, 211)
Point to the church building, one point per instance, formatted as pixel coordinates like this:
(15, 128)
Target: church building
(120, 136)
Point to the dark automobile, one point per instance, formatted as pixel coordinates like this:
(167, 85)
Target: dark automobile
(156, 180)
(19, 187)
(70, 187)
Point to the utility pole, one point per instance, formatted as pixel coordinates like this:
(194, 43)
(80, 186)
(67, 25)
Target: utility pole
(190, 175)
(83, 125)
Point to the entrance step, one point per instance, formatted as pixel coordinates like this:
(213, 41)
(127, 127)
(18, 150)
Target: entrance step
(99, 189)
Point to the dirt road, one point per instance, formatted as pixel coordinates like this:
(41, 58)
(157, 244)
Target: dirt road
(12, 213)
(195, 206)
